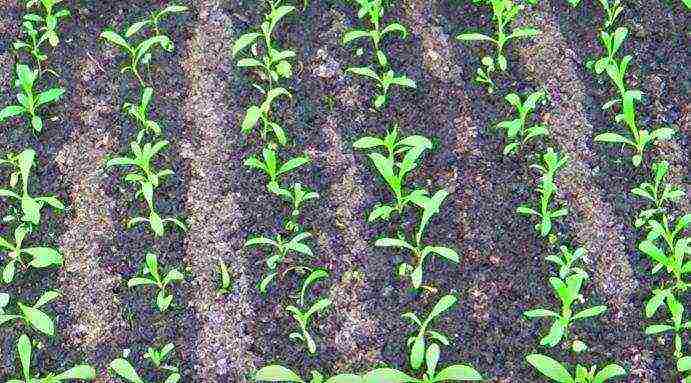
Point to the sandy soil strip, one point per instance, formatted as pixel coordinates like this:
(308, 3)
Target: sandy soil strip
(221, 351)
(552, 63)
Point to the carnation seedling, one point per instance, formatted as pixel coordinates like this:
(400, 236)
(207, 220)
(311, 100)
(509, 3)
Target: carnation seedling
(516, 131)
(80, 372)
(41, 257)
(273, 168)
(261, 113)
(277, 373)
(140, 113)
(50, 18)
(124, 370)
(140, 159)
(557, 372)
(138, 54)
(612, 11)
(505, 11)
(32, 45)
(659, 194)
(297, 196)
(566, 260)
(416, 342)
(675, 325)
(29, 101)
(612, 42)
(30, 206)
(155, 221)
(159, 357)
(151, 276)
(154, 21)
(303, 319)
(454, 373)
(399, 159)
(552, 163)
(282, 249)
(31, 315)
(384, 82)
(420, 251)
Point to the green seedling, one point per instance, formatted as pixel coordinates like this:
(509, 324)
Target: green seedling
(31, 315)
(262, 113)
(399, 159)
(30, 206)
(273, 168)
(660, 194)
(29, 101)
(80, 372)
(454, 373)
(552, 163)
(282, 250)
(374, 10)
(516, 131)
(676, 324)
(557, 371)
(41, 257)
(684, 363)
(384, 82)
(138, 54)
(612, 11)
(566, 260)
(416, 342)
(123, 369)
(677, 263)
(158, 357)
(612, 42)
(140, 159)
(155, 221)
(505, 11)
(420, 251)
(640, 138)
(568, 291)
(140, 113)
(225, 278)
(303, 319)
(297, 196)
(50, 18)
(277, 373)
(32, 45)
(151, 276)
(154, 21)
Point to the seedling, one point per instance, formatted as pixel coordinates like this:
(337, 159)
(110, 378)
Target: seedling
(41, 257)
(32, 45)
(557, 371)
(516, 131)
(154, 21)
(566, 260)
(684, 363)
(277, 373)
(568, 291)
(505, 11)
(273, 168)
(225, 278)
(281, 252)
(29, 101)
(140, 113)
(80, 372)
(612, 42)
(123, 369)
(297, 196)
(30, 206)
(407, 150)
(50, 19)
(417, 343)
(547, 189)
(454, 373)
(660, 195)
(272, 66)
(158, 357)
(420, 251)
(676, 324)
(31, 315)
(155, 221)
(141, 157)
(303, 319)
(612, 11)
(384, 82)
(151, 276)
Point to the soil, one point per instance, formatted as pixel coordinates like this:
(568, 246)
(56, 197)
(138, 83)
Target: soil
(200, 98)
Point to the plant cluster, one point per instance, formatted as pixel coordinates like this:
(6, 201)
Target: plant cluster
(517, 132)
(288, 250)
(383, 75)
(123, 369)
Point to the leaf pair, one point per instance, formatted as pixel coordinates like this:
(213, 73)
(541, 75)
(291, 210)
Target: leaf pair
(124, 370)
(41, 256)
(417, 343)
(282, 248)
(376, 35)
(138, 54)
(612, 42)
(271, 166)
(256, 114)
(516, 130)
(49, 19)
(676, 324)
(304, 318)
(151, 276)
(296, 196)
(140, 113)
(31, 315)
(558, 373)
(384, 82)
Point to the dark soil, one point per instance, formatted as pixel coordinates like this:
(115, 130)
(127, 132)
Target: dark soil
(502, 271)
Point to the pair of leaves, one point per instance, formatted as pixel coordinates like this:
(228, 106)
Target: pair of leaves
(41, 256)
(31, 315)
(384, 82)
(417, 342)
(516, 130)
(124, 369)
(558, 373)
(304, 318)
(256, 114)
(151, 276)
(271, 166)
(24, 349)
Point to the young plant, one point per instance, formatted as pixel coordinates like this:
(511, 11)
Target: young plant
(283, 248)
(155, 221)
(558, 372)
(612, 42)
(676, 324)
(454, 373)
(505, 11)
(420, 251)
(80, 372)
(273, 168)
(141, 157)
(612, 11)
(272, 66)
(566, 260)
(516, 131)
(277, 373)
(140, 113)
(29, 101)
(123, 369)
(31, 315)
(49, 20)
(684, 363)
(552, 163)
(399, 159)
(154, 21)
(567, 290)
(297, 196)
(41, 257)
(30, 206)
(416, 342)
(151, 276)
(303, 319)
(158, 357)
(225, 278)
(384, 82)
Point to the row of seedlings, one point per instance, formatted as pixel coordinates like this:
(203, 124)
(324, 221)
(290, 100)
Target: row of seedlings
(570, 277)
(666, 244)
(140, 42)
(25, 214)
(288, 250)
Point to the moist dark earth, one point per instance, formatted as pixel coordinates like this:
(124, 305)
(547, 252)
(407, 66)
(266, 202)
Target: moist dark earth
(200, 97)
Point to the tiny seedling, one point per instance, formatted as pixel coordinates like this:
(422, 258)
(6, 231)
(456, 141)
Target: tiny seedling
(255, 114)
(151, 276)
(420, 251)
(408, 151)
(516, 131)
(273, 168)
(557, 371)
(612, 11)
(277, 373)
(141, 157)
(31, 315)
(566, 260)
(140, 113)
(80, 372)
(547, 189)
(155, 221)
(659, 194)
(225, 287)
(154, 22)
(281, 252)
(505, 11)
(29, 100)
(123, 369)
(416, 342)
(158, 357)
(303, 319)
(384, 82)
(41, 256)
(50, 19)
(676, 324)
(30, 206)
(612, 42)
(297, 196)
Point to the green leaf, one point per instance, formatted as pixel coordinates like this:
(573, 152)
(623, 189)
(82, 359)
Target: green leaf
(37, 123)
(24, 351)
(368, 143)
(458, 372)
(136, 27)
(392, 242)
(445, 252)
(539, 313)
(46, 298)
(43, 257)
(590, 312)
(83, 372)
(684, 364)
(524, 32)
(115, 39)
(243, 41)
(613, 138)
(276, 373)
(550, 368)
(38, 319)
(657, 328)
(473, 37)
(388, 375)
(609, 372)
(11, 111)
(251, 119)
(394, 27)
(364, 71)
(125, 370)
(354, 35)
(291, 164)
(138, 281)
